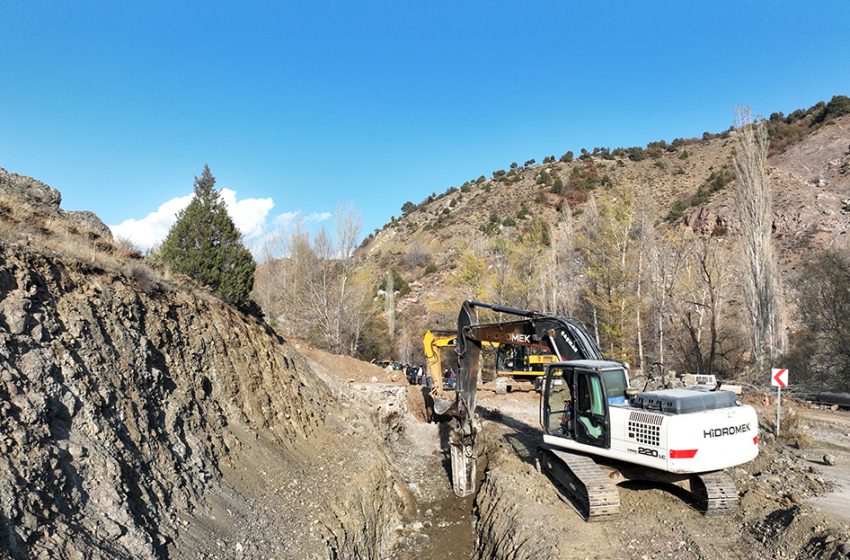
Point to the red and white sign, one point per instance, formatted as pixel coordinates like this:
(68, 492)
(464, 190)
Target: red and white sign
(779, 377)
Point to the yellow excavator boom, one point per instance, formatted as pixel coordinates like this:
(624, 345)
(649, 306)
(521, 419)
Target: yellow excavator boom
(436, 339)
(432, 342)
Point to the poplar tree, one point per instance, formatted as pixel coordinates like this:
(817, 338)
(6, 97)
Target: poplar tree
(205, 245)
(753, 196)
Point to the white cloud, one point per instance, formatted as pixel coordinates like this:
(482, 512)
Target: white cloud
(251, 216)
(290, 219)
(149, 231)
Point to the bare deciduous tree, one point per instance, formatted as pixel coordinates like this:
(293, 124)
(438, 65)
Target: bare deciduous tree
(347, 224)
(642, 231)
(314, 290)
(416, 255)
(700, 303)
(404, 348)
(562, 272)
(666, 257)
(608, 249)
(389, 304)
(762, 295)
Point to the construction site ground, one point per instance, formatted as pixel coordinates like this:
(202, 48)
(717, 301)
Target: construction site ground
(793, 505)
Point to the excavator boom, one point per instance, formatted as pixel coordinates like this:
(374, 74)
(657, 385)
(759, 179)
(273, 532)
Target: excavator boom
(433, 340)
(563, 337)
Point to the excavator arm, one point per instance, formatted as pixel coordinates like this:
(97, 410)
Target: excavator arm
(432, 343)
(563, 337)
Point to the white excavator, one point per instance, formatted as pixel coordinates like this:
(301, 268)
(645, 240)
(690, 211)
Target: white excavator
(597, 431)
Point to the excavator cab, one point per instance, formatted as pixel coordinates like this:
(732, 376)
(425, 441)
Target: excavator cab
(575, 400)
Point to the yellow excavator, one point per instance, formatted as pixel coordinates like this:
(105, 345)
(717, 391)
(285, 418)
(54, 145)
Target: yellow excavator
(516, 367)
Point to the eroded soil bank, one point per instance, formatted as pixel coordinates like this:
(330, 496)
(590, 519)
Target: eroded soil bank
(145, 421)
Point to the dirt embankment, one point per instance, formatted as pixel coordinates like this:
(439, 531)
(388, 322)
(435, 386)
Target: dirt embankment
(130, 418)
(143, 418)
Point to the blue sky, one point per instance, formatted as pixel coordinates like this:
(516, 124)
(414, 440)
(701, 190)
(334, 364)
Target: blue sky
(299, 106)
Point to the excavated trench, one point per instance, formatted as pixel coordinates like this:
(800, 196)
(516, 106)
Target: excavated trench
(439, 524)
(499, 521)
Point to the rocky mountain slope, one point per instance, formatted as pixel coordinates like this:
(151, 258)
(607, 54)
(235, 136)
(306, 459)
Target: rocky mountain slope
(684, 183)
(140, 417)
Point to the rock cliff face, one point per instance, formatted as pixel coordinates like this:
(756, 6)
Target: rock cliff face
(129, 410)
(116, 403)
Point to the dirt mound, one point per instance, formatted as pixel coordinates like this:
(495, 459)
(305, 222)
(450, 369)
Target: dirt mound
(346, 368)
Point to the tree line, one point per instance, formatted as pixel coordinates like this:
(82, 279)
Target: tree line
(648, 291)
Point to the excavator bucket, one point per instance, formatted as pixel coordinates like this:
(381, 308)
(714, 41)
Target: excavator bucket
(463, 468)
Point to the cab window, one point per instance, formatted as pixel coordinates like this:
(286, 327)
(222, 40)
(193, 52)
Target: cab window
(558, 414)
(615, 385)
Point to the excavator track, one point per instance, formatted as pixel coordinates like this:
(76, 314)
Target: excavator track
(715, 493)
(595, 494)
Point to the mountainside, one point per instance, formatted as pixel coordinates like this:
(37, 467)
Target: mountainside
(136, 412)
(687, 184)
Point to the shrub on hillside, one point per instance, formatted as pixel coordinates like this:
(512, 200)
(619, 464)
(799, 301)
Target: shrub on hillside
(492, 226)
(401, 286)
(416, 256)
(576, 197)
(716, 181)
(585, 176)
(557, 186)
(407, 208)
(678, 209)
(636, 153)
(522, 212)
(837, 107)
(543, 178)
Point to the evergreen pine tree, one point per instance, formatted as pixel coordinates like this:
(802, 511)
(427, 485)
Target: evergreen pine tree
(205, 245)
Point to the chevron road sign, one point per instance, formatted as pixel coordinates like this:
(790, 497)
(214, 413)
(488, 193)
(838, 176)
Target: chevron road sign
(779, 379)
